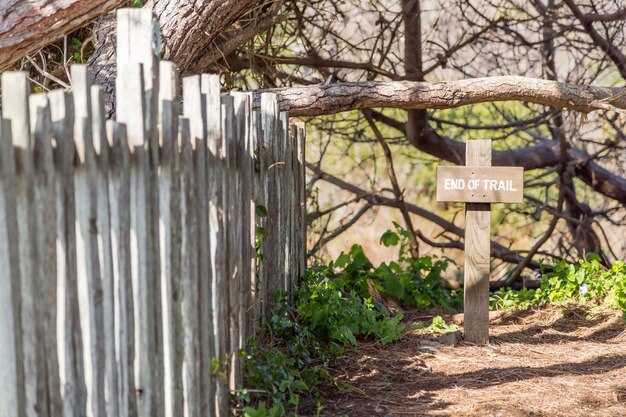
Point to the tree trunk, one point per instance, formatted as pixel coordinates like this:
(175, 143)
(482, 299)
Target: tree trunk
(29, 25)
(187, 28)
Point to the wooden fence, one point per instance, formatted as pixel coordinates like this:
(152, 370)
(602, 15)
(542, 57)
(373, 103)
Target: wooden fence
(129, 279)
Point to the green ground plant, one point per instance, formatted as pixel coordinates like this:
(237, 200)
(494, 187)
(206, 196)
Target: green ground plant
(587, 282)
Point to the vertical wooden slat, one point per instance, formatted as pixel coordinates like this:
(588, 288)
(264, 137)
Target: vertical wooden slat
(191, 369)
(216, 189)
(477, 256)
(222, 294)
(301, 217)
(69, 338)
(42, 132)
(194, 110)
(252, 152)
(119, 211)
(243, 113)
(170, 240)
(233, 236)
(15, 90)
(103, 223)
(138, 41)
(270, 280)
(12, 396)
(88, 265)
(286, 178)
(131, 90)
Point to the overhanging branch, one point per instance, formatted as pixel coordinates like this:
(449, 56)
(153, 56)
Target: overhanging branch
(321, 99)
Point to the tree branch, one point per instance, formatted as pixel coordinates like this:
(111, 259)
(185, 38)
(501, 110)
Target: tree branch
(319, 99)
(29, 25)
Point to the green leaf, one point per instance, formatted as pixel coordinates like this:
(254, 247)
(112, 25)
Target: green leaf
(389, 238)
(261, 210)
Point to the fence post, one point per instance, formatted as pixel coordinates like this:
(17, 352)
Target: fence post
(138, 42)
(88, 265)
(103, 222)
(216, 189)
(11, 368)
(15, 90)
(170, 235)
(191, 370)
(194, 109)
(119, 206)
(243, 212)
(45, 214)
(270, 280)
(69, 338)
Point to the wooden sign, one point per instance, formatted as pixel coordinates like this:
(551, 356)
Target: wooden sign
(480, 184)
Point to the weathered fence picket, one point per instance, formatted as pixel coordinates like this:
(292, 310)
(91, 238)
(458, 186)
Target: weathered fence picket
(130, 279)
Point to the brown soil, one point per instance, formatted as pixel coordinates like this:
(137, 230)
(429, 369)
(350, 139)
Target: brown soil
(540, 363)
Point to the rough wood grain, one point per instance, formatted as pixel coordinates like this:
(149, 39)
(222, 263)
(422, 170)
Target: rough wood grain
(244, 197)
(270, 281)
(11, 368)
(69, 339)
(103, 223)
(215, 182)
(191, 368)
(320, 99)
(16, 88)
(119, 209)
(137, 33)
(194, 110)
(26, 26)
(45, 214)
(477, 254)
(170, 240)
(88, 262)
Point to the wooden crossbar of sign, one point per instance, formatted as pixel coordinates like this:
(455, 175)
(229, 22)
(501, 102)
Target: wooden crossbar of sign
(480, 184)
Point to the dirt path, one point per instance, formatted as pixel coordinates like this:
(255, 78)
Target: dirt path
(541, 363)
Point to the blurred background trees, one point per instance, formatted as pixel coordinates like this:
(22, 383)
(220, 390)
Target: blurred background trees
(369, 168)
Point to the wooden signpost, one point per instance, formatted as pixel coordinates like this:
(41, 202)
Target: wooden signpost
(478, 184)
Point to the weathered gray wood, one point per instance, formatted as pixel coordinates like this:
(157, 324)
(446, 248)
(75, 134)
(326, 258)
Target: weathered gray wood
(189, 253)
(130, 92)
(256, 137)
(15, 90)
(194, 106)
(12, 396)
(170, 240)
(301, 217)
(223, 293)
(477, 253)
(69, 338)
(45, 211)
(103, 223)
(217, 237)
(243, 173)
(286, 202)
(119, 210)
(88, 265)
(480, 185)
(270, 281)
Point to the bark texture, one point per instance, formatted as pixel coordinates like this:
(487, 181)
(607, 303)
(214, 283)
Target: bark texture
(188, 27)
(320, 99)
(29, 25)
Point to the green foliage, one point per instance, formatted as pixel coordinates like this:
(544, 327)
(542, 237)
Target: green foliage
(562, 283)
(136, 3)
(438, 324)
(338, 315)
(415, 283)
(324, 321)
